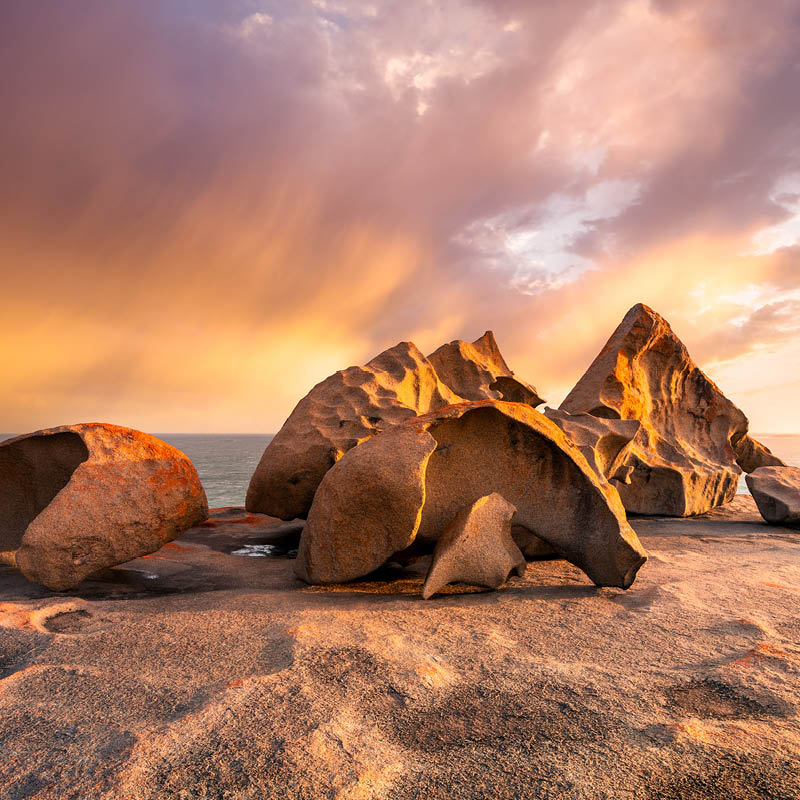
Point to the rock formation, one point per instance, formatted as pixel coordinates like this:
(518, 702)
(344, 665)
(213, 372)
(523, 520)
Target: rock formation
(776, 491)
(477, 371)
(684, 458)
(480, 447)
(476, 548)
(345, 409)
(79, 498)
(355, 403)
(603, 442)
(367, 508)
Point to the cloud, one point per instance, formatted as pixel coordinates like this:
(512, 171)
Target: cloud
(207, 207)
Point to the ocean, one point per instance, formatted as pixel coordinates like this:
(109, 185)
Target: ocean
(225, 462)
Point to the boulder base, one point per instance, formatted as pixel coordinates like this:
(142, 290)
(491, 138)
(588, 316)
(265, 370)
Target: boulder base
(480, 448)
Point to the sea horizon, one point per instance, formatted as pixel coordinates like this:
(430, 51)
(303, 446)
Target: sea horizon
(225, 462)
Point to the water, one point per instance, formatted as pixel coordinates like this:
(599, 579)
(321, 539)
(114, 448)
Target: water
(225, 462)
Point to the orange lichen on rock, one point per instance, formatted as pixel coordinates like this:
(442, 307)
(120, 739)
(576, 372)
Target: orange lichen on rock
(80, 498)
(686, 457)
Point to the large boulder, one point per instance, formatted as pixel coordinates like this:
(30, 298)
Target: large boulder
(477, 371)
(776, 491)
(684, 458)
(80, 498)
(355, 531)
(346, 408)
(476, 548)
(481, 447)
(354, 404)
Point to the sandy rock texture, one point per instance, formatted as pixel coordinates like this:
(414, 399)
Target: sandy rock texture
(193, 674)
(684, 457)
(80, 498)
(776, 491)
(476, 548)
(449, 459)
(354, 404)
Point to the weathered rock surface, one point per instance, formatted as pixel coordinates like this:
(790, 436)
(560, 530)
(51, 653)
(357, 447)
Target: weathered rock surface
(80, 498)
(751, 455)
(355, 403)
(366, 508)
(684, 457)
(345, 409)
(776, 491)
(476, 548)
(480, 447)
(603, 442)
(477, 371)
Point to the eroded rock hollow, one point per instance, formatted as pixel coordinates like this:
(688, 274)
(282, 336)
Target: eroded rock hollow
(79, 498)
(353, 404)
(406, 485)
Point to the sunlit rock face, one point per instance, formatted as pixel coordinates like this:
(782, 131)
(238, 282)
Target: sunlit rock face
(477, 371)
(776, 491)
(345, 409)
(683, 460)
(79, 498)
(407, 484)
(355, 403)
(476, 548)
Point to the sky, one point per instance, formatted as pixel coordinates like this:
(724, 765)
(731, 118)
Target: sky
(208, 207)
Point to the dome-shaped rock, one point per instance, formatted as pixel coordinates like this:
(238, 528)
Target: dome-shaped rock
(354, 404)
(78, 498)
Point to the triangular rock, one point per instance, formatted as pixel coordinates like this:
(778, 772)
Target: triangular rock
(684, 457)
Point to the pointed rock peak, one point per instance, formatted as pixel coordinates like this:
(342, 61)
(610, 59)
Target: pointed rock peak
(685, 455)
(477, 371)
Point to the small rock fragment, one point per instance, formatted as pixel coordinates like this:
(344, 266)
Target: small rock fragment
(476, 548)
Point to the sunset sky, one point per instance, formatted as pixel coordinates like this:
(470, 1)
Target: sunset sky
(207, 207)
